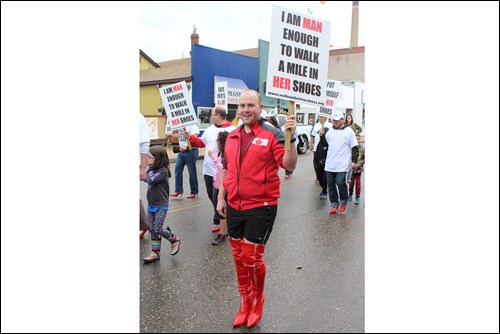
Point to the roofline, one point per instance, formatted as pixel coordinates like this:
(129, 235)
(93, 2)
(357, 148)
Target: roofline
(232, 52)
(356, 49)
(149, 58)
(165, 81)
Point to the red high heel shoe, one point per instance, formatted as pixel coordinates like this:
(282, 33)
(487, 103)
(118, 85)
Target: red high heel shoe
(176, 194)
(192, 196)
(143, 232)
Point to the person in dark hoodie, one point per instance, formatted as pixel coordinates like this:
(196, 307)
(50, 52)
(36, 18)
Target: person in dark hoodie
(342, 155)
(320, 149)
(157, 195)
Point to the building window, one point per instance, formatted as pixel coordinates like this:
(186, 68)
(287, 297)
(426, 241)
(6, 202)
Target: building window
(204, 117)
(310, 120)
(300, 118)
(231, 113)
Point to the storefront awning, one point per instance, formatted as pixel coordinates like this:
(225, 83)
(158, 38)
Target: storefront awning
(234, 87)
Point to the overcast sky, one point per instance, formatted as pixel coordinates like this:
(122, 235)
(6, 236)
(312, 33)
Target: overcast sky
(166, 26)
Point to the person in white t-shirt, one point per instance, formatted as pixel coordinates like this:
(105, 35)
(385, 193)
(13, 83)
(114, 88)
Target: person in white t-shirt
(342, 155)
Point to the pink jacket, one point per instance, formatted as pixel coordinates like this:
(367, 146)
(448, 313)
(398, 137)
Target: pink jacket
(218, 163)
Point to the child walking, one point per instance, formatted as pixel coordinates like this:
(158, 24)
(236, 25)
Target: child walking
(356, 172)
(217, 158)
(157, 195)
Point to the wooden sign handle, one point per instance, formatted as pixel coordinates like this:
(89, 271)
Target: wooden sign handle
(189, 143)
(288, 134)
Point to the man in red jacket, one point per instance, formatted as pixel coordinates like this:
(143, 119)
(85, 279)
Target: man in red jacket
(254, 152)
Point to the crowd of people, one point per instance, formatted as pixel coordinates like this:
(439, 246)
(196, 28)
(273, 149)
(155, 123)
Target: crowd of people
(245, 208)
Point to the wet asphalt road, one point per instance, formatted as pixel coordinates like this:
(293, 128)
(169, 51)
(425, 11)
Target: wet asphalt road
(196, 290)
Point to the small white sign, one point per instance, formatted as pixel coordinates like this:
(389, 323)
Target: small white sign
(332, 94)
(153, 127)
(220, 97)
(346, 97)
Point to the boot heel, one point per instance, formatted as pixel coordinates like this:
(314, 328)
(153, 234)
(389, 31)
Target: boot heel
(256, 313)
(143, 232)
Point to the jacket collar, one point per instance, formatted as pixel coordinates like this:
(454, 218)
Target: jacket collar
(255, 127)
(225, 125)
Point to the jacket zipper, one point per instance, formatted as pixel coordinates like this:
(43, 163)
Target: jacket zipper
(241, 162)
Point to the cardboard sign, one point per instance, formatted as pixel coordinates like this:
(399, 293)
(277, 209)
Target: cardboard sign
(177, 101)
(221, 98)
(332, 95)
(298, 57)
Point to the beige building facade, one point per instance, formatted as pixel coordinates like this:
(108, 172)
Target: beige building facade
(347, 64)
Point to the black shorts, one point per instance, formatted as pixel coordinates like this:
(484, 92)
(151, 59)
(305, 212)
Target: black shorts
(255, 225)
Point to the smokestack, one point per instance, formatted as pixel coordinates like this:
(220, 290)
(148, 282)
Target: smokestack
(195, 38)
(354, 24)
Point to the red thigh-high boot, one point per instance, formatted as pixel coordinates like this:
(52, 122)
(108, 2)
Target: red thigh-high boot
(253, 259)
(243, 278)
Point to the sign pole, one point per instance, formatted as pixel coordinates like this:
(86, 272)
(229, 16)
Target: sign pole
(189, 143)
(288, 134)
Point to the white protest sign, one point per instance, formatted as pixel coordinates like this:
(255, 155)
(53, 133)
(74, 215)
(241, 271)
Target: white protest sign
(298, 57)
(220, 98)
(153, 127)
(332, 95)
(346, 97)
(177, 101)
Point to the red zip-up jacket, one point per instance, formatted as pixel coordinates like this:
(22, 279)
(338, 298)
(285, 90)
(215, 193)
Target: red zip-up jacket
(254, 181)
